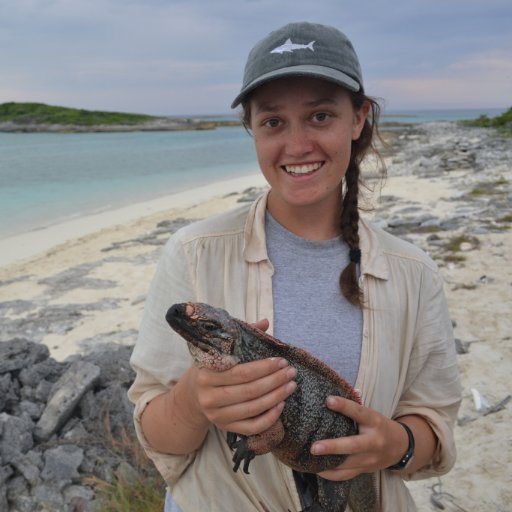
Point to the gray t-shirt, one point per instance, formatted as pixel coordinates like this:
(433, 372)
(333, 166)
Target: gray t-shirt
(309, 309)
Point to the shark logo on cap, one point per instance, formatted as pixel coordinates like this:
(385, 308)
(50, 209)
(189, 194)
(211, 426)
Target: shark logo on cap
(288, 46)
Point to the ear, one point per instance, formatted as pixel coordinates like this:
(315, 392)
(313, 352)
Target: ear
(359, 119)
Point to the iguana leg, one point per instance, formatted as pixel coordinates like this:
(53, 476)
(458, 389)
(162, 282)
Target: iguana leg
(247, 447)
(231, 439)
(242, 453)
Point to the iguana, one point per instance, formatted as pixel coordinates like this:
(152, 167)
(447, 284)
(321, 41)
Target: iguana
(218, 341)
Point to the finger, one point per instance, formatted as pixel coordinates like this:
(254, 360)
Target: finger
(251, 408)
(262, 324)
(221, 396)
(246, 372)
(350, 408)
(339, 474)
(348, 445)
(258, 424)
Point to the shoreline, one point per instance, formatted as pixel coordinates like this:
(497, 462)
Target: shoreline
(20, 247)
(448, 192)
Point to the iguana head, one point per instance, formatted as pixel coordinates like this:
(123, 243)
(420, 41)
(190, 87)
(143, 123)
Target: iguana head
(213, 335)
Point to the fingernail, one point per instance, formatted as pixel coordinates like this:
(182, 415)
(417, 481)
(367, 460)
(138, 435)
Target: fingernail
(331, 400)
(317, 449)
(283, 363)
(280, 406)
(291, 386)
(291, 373)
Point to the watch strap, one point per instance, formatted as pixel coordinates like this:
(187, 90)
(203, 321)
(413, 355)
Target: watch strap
(404, 461)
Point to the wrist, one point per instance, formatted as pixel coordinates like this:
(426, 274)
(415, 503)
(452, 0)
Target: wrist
(408, 454)
(185, 403)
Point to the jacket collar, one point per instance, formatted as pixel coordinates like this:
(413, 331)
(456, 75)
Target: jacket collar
(373, 261)
(255, 247)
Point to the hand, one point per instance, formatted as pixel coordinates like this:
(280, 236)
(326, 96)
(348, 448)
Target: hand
(381, 442)
(248, 398)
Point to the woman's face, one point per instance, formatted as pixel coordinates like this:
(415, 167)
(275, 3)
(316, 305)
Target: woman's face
(303, 129)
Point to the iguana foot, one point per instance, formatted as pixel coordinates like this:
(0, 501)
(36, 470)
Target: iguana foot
(231, 439)
(242, 452)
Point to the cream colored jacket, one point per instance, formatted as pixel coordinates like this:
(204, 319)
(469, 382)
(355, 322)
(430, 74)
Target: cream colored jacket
(408, 362)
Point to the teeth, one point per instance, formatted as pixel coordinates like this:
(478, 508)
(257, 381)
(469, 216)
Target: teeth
(297, 170)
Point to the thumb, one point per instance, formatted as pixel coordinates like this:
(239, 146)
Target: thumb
(262, 324)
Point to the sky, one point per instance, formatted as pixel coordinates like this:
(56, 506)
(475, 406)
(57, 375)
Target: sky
(186, 57)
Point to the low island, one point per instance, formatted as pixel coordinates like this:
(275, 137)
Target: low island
(39, 117)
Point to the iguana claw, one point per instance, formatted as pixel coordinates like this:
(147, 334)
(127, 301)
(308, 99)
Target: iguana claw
(242, 452)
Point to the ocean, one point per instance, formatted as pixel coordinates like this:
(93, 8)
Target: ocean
(47, 178)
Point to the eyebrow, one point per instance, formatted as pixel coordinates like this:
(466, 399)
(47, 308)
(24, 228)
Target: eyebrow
(272, 107)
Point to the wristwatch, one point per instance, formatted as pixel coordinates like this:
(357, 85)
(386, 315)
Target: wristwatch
(409, 454)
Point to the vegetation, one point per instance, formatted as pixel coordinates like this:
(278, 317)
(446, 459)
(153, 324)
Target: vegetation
(454, 244)
(40, 113)
(506, 218)
(39, 117)
(138, 489)
(503, 122)
(450, 251)
(490, 188)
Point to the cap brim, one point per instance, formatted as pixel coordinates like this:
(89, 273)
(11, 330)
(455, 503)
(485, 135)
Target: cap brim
(323, 72)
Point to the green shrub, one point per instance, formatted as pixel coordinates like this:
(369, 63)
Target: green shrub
(40, 113)
(503, 122)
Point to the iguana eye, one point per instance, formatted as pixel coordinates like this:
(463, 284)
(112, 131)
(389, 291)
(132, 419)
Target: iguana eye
(209, 326)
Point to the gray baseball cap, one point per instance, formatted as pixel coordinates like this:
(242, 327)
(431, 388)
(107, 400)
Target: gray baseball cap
(302, 49)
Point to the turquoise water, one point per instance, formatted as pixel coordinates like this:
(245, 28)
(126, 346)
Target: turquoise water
(48, 178)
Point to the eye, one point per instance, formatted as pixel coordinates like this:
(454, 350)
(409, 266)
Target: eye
(209, 326)
(320, 117)
(272, 123)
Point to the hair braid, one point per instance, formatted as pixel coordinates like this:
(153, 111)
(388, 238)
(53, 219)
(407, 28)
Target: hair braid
(349, 282)
(349, 229)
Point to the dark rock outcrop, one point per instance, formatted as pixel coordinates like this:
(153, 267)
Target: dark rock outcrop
(59, 422)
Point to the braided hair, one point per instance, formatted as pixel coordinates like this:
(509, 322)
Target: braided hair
(349, 221)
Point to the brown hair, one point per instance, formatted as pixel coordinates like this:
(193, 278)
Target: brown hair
(349, 221)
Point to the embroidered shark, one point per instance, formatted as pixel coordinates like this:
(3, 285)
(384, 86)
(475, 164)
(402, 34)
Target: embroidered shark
(288, 46)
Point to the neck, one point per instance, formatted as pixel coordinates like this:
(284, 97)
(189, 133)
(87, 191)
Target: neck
(309, 222)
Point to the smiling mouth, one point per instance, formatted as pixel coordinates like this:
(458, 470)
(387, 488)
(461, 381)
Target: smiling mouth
(303, 169)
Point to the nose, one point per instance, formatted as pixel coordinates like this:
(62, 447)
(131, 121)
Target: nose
(175, 312)
(299, 140)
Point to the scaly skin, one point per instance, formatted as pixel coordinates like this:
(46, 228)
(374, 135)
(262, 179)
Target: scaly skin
(218, 341)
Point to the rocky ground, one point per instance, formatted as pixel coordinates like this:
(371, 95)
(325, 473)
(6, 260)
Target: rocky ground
(70, 316)
(160, 124)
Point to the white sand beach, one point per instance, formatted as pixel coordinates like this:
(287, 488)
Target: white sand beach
(93, 273)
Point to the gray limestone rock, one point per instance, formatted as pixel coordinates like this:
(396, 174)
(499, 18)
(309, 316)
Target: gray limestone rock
(15, 437)
(38, 475)
(20, 353)
(61, 465)
(29, 465)
(66, 394)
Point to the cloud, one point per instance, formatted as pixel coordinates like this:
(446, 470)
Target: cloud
(480, 80)
(188, 55)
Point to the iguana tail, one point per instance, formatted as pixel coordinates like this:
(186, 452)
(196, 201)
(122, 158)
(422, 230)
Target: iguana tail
(363, 494)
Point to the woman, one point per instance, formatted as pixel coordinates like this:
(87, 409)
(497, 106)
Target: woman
(383, 324)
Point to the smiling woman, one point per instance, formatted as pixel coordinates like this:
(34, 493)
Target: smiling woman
(301, 263)
(303, 142)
